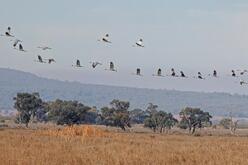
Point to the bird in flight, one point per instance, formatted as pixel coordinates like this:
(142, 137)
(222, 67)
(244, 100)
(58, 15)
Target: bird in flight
(159, 73)
(8, 33)
(215, 73)
(21, 48)
(105, 39)
(94, 64)
(182, 74)
(78, 64)
(51, 60)
(44, 47)
(243, 72)
(16, 42)
(138, 72)
(233, 73)
(200, 76)
(173, 73)
(242, 82)
(111, 67)
(139, 43)
(40, 60)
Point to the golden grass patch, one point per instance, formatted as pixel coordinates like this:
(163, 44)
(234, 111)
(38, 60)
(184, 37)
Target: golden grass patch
(65, 146)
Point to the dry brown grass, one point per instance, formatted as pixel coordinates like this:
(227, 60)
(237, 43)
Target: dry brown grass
(90, 145)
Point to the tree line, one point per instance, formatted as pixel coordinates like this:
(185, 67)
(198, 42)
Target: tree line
(31, 108)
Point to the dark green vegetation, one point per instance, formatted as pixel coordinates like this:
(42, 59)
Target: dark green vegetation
(192, 118)
(31, 108)
(116, 115)
(28, 106)
(159, 120)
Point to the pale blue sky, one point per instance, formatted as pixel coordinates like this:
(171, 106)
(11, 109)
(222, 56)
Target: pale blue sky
(192, 35)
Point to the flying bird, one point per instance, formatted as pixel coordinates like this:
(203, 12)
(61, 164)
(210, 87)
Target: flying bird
(8, 33)
(16, 42)
(78, 64)
(243, 72)
(21, 48)
(173, 74)
(215, 73)
(138, 72)
(51, 60)
(159, 73)
(44, 47)
(111, 67)
(105, 39)
(139, 43)
(40, 60)
(94, 64)
(182, 74)
(242, 82)
(199, 75)
(233, 73)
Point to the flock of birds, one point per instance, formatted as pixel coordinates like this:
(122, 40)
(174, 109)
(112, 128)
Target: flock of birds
(17, 44)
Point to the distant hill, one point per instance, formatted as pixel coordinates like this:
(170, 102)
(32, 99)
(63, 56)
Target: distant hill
(12, 82)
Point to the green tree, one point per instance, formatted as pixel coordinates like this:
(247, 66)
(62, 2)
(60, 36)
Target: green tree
(225, 123)
(168, 121)
(160, 121)
(27, 106)
(116, 115)
(138, 116)
(183, 124)
(151, 120)
(70, 112)
(194, 118)
(151, 108)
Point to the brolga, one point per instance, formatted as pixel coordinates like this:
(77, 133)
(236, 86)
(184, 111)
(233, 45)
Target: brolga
(51, 60)
(78, 64)
(242, 82)
(40, 60)
(44, 47)
(21, 48)
(16, 42)
(139, 43)
(199, 75)
(159, 72)
(173, 73)
(233, 73)
(105, 39)
(243, 72)
(112, 67)
(138, 72)
(182, 74)
(215, 73)
(8, 33)
(94, 64)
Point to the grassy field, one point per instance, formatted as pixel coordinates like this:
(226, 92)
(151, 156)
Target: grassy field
(93, 145)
